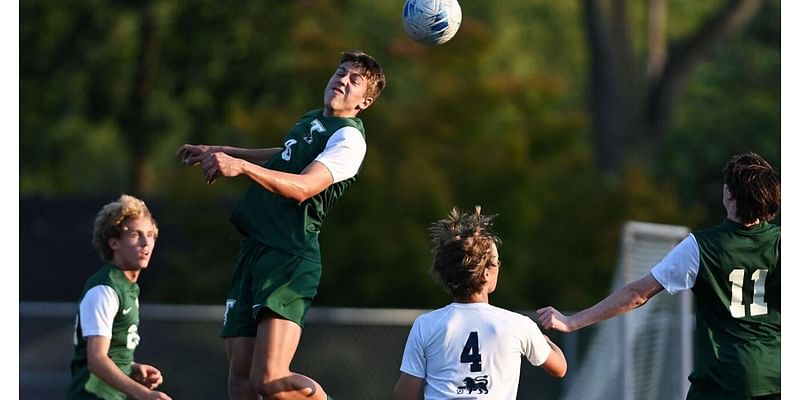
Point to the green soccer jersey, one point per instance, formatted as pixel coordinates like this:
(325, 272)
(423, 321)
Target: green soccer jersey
(283, 223)
(124, 337)
(738, 308)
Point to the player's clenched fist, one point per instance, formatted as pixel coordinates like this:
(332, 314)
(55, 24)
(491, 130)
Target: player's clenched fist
(550, 318)
(191, 154)
(147, 375)
(220, 164)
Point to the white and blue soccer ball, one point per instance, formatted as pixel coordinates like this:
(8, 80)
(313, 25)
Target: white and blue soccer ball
(431, 22)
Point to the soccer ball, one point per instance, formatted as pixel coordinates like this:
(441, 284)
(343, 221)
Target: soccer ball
(431, 22)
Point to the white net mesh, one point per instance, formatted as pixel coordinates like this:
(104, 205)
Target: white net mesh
(646, 353)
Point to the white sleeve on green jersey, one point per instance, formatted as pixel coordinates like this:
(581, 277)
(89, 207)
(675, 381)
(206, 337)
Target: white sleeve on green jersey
(678, 270)
(344, 153)
(97, 309)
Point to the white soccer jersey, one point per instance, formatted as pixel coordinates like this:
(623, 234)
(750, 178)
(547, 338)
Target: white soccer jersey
(472, 351)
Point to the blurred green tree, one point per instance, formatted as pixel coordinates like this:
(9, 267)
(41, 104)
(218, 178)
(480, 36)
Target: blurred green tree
(495, 117)
(635, 83)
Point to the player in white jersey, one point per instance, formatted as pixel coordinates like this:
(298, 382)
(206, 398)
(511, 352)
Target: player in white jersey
(470, 349)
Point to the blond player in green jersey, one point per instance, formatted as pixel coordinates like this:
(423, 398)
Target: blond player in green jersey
(106, 327)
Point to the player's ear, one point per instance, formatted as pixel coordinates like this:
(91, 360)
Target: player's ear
(366, 103)
(113, 243)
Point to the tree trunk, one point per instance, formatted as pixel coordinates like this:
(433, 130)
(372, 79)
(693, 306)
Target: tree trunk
(611, 86)
(137, 131)
(630, 115)
(656, 38)
(665, 89)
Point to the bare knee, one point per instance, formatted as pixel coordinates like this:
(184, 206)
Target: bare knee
(282, 388)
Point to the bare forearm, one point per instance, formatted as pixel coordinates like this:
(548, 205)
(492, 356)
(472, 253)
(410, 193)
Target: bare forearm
(619, 302)
(298, 187)
(255, 156)
(281, 183)
(108, 372)
(630, 296)
(622, 300)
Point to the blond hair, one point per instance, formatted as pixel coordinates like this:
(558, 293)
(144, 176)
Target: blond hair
(110, 222)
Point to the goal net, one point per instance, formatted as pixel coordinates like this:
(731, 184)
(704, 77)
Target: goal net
(646, 353)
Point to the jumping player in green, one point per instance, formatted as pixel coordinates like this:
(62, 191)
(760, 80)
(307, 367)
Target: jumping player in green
(280, 216)
(106, 327)
(734, 270)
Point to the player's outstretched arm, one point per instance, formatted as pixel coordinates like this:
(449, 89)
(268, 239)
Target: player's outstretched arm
(298, 187)
(624, 299)
(408, 387)
(193, 154)
(556, 363)
(104, 368)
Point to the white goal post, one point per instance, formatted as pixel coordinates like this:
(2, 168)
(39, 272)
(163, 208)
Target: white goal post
(645, 354)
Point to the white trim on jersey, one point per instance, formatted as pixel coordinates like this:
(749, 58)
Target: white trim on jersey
(678, 270)
(98, 308)
(344, 153)
(472, 342)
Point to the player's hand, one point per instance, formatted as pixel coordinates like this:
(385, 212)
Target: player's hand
(550, 318)
(192, 154)
(156, 395)
(147, 375)
(220, 164)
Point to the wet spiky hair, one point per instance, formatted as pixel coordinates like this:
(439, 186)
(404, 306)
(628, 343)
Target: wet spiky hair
(461, 249)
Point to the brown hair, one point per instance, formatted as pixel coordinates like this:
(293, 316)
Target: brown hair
(461, 248)
(755, 185)
(111, 219)
(371, 69)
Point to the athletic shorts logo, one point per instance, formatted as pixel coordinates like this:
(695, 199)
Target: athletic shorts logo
(228, 306)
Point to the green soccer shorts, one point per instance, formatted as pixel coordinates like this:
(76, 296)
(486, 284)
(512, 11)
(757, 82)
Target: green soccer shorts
(267, 277)
(710, 391)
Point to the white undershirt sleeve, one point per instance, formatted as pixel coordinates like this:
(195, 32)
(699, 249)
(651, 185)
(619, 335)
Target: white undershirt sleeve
(97, 310)
(344, 153)
(678, 270)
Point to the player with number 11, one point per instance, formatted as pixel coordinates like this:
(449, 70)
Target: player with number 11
(734, 270)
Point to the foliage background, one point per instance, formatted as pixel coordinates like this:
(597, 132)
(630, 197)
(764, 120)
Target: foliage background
(496, 117)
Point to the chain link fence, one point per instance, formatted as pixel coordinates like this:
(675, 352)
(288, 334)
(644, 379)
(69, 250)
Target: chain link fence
(354, 353)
